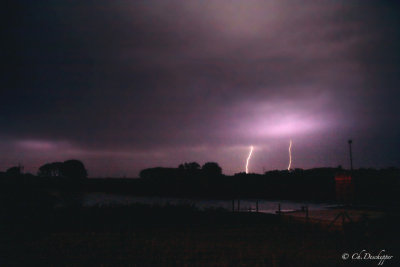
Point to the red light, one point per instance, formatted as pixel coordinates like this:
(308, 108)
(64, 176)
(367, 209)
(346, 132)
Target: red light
(343, 178)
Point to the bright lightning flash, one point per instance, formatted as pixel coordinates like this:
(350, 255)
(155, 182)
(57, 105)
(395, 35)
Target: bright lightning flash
(290, 155)
(248, 159)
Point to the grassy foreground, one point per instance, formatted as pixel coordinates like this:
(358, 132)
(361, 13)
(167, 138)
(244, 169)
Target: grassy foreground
(141, 235)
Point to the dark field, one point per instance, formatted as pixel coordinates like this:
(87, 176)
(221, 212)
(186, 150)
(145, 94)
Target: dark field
(141, 235)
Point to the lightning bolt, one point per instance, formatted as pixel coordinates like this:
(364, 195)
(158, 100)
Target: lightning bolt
(248, 159)
(290, 155)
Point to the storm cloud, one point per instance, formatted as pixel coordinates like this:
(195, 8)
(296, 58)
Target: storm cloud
(125, 85)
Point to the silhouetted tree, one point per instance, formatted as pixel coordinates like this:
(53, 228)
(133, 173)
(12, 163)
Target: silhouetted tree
(189, 170)
(51, 169)
(70, 169)
(74, 169)
(191, 166)
(14, 171)
(44, 170)
(211, 169)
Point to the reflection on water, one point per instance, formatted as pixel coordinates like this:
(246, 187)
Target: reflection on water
(266, 206)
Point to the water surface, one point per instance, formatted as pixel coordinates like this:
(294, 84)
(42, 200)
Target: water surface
(266, 206)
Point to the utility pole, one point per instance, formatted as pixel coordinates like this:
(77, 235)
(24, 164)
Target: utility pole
(351, 155)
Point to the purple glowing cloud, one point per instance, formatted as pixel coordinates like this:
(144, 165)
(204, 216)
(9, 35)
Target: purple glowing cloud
(125, 85)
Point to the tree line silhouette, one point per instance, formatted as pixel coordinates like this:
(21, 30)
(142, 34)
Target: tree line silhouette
(193, 180)
(187, 170)
(72, 169)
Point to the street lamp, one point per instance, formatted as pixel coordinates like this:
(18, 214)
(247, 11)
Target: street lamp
(351, 155)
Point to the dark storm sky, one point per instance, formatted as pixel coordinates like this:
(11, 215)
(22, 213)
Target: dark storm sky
(125, 85)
